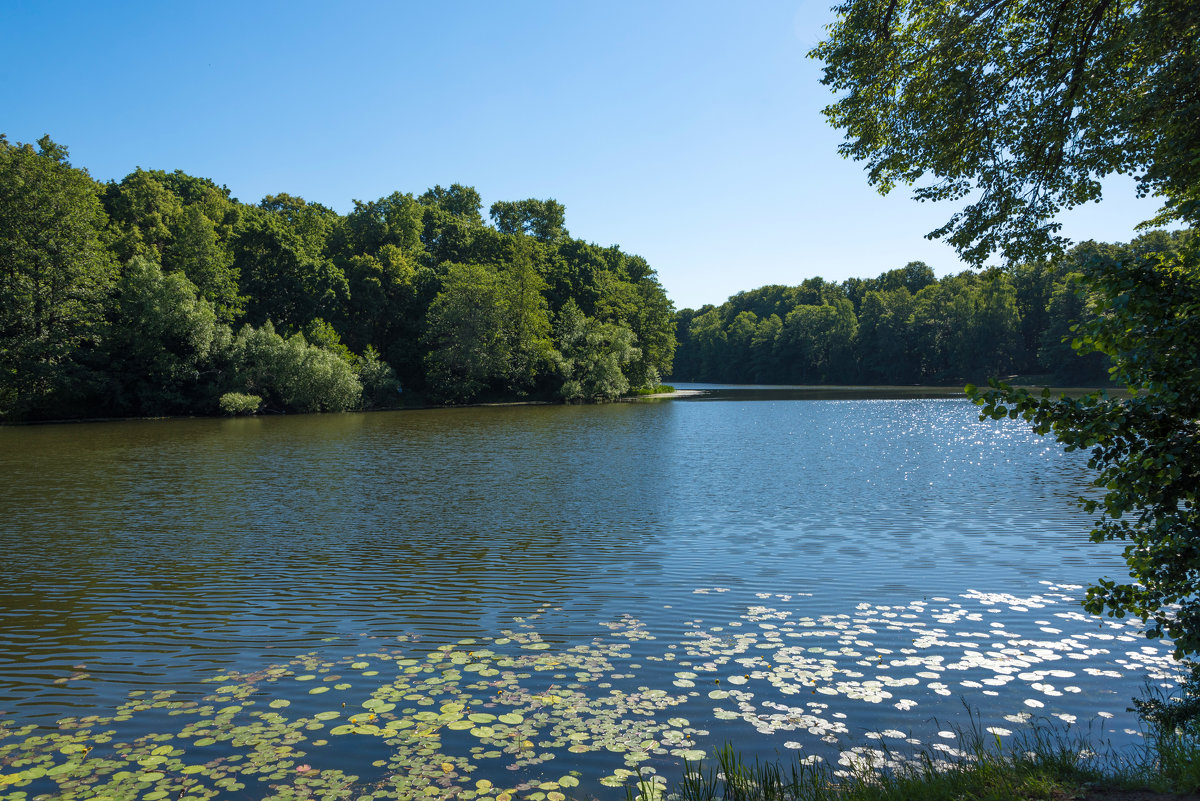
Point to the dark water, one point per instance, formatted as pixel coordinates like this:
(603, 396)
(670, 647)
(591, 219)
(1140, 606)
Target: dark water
(157, 554)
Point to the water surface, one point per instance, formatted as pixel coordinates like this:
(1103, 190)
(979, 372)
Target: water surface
(154, 555)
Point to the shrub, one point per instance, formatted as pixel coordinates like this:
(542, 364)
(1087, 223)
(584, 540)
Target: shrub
(238, 403)
(292, 375)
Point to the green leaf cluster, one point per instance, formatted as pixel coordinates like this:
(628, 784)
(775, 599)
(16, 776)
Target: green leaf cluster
(238, 403)
(1144, 445)
(124, 299)
(1018, 108)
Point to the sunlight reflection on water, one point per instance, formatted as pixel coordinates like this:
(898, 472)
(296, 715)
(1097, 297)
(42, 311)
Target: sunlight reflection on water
(157, 552)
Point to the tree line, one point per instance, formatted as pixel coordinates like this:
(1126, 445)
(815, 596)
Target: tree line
(161, 294)
(907, 327)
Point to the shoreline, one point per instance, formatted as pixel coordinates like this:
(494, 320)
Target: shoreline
(72, 420)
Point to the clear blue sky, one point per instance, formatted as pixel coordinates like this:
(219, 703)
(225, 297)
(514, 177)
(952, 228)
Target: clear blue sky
(687, 132)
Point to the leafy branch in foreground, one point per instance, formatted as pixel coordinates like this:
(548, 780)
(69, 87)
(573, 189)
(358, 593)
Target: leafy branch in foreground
(1018, 108)
(1145, 446)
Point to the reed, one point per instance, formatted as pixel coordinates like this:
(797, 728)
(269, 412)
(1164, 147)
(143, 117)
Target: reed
(1045, 761)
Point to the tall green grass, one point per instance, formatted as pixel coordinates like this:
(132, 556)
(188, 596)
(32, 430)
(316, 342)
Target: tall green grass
(1045, 761)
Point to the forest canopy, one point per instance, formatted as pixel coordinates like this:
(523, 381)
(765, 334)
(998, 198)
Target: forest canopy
(907, 327)
(1018, 108)
(162, 294)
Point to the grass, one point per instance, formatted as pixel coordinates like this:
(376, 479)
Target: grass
(660, 389)
(1045, 762)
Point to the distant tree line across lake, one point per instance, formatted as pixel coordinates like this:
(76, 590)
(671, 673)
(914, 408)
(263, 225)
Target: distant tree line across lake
(908, 327)
(161, 294)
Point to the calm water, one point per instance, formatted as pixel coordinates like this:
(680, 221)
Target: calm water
(701, 533)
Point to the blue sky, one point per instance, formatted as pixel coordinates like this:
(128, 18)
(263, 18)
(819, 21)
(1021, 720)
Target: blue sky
(687, 132)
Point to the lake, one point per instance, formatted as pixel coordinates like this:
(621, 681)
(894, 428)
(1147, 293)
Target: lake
(535, 601)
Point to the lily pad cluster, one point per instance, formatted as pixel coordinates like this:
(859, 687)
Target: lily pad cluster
(472, 720)
(763, 663)
(517, 716)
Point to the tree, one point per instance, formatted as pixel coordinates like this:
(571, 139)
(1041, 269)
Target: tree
(709, 338)
(763, 353)
(197, 252)
(1068, 306)
(1146, 446)
(997, 327)
(487, 330)
(1023, 105)
(542, 219)
(629, 295)
(380, 388)
(279, 251)
(1019, 105)
(292, 375)
(394, 220)
(160, 340)
(527, 323)
(883, 337)
(592, 356)
(144, 212)
(462, 201)
(55, 275)
(816, 341)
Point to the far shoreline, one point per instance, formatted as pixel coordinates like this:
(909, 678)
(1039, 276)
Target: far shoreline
(815, 389)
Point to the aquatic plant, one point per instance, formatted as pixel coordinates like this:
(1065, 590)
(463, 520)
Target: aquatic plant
(494, 718)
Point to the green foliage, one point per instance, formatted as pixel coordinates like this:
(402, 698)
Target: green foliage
(1174, 715)
(459, 200)
(1067, 307)
(55, 278)
(542, 219)
(183, 223)
(292, 375)
(486, 330)
(196, 250)
(1020, 106)
(144, 212)
(239, 403)
(394, 221)
(162, 337)
(592, 355)
(381, 389)
(467, 350)
(323, 335)
(385, 281)
(279, 251)
(658, 389)
(1146, 446)
(871, 330)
